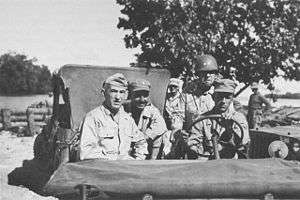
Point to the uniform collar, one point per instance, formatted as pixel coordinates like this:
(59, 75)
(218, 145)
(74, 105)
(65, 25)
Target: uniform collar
(109, 113)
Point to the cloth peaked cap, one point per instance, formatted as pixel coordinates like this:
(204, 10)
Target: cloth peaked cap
(225, 85)
(117, 79)
(140, 84)
(175, 81)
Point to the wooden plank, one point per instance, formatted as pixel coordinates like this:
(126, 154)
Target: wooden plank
(23, 124)
(23, 118)
(47, 111)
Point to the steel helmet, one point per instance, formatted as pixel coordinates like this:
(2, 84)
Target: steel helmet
(206, 63)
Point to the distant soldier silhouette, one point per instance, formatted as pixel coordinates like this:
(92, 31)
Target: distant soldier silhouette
(255, 107)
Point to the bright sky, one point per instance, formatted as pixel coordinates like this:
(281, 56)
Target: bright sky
(59, 32)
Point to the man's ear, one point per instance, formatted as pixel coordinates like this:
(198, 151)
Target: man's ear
(126, 94)
(102, 90)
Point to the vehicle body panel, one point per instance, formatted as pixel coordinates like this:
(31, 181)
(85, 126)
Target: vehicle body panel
(225, 178)
(262, 137)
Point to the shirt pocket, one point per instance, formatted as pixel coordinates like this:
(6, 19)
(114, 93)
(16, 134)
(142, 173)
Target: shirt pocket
(106, 133)
(108, 139)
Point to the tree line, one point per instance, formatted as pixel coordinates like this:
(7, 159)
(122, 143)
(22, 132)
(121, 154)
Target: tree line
(287, 95)
(19, 75)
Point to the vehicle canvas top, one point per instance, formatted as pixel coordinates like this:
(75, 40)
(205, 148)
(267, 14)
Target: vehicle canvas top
(225, 178)
(84, 83)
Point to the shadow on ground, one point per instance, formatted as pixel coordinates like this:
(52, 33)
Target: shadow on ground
(33, 174)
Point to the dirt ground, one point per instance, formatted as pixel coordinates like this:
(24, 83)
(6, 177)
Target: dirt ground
(13, 151)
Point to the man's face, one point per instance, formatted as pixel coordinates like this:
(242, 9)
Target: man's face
(206, 78)
(114, 97)
(140, 99)
(173, 90)
(222, 100)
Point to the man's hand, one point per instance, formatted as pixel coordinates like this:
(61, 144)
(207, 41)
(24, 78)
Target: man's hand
(185, 134)
(193, 140)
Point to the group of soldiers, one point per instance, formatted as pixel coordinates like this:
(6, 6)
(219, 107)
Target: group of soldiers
(136, 130)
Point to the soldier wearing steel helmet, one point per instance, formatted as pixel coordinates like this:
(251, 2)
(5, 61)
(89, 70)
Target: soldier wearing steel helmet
(200, 100)
(196, 98)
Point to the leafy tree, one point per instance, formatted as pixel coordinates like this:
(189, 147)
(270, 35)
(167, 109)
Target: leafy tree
(19, 75)
(257, 37)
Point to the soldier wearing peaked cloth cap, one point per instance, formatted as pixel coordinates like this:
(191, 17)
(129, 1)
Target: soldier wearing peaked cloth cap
(140, 84)
(200, 142)
(225, 85)
(117, 79)
(146, 116)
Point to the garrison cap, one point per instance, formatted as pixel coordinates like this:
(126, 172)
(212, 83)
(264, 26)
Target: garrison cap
(175, 81)
(225, 85)
(140, 84)
(117, 79)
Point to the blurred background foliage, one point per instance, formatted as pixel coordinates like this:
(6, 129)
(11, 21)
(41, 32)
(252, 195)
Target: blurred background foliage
(19, 75)
(259, 38)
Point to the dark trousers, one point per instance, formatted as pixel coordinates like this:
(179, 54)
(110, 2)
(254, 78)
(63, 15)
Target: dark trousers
(254, 118)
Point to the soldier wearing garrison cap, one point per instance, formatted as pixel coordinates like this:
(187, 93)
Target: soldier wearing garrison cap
(108, 131)
(223, 98)
(147, 117)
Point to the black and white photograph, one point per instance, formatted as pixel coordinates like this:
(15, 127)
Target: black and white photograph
(149, 99)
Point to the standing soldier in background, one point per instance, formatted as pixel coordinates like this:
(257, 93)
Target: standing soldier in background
(146, 116)
(255, 109)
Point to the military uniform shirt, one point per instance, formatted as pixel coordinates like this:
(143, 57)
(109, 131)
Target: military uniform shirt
(203, 130)
(151, 123)
(109, 137)
(196, 106)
